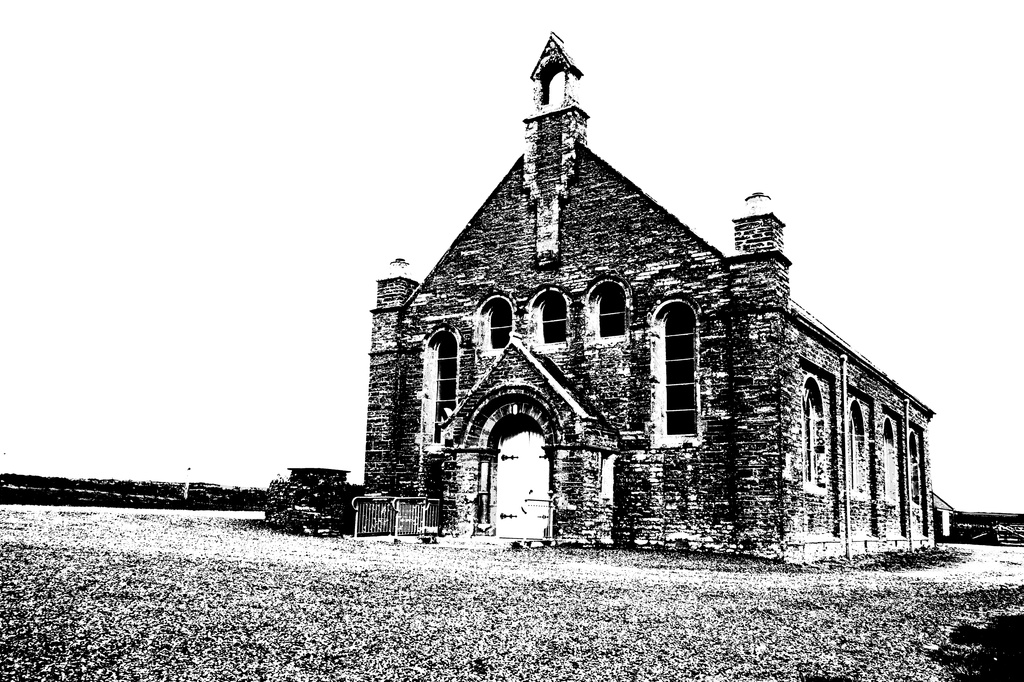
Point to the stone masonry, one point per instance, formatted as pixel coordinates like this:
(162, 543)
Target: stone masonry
(562, 311)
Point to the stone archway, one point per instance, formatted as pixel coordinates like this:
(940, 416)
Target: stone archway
(521, 479)
(509, 401)
(506, 479)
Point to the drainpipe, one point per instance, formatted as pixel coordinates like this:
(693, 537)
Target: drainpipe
(906, 458)
(846, 455)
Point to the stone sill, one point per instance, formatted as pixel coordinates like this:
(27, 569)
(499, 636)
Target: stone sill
(551, 347)
(607, 340)
(815, 489)
(663, 442)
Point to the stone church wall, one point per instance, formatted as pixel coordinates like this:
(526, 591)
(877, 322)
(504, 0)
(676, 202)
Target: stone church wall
(700, 490)
(563, 220)
(875, 518)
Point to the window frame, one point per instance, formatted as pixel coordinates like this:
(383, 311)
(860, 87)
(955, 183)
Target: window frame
(594, 314)
(814, 436)
(660, 385)
(485, 330)
(432, 380)
(859, 476)
(889, 450)
(914, 464)
(539, 306)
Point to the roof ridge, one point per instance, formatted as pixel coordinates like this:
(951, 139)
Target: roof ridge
(800, 311)
(704, 242)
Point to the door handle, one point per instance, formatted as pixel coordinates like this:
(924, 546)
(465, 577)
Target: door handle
(508, 516)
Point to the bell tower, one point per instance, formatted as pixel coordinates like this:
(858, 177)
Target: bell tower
(553, 131)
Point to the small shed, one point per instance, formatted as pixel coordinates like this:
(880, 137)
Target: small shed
(312, 500)
(943, 518)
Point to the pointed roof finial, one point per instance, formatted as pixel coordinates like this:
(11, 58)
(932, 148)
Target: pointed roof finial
(554, 58)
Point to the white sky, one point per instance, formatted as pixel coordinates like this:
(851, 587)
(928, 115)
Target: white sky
(196, 199)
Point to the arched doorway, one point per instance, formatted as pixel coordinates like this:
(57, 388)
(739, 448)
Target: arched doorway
(522, 479)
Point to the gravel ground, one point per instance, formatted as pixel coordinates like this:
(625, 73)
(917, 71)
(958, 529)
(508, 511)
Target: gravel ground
(90, 594)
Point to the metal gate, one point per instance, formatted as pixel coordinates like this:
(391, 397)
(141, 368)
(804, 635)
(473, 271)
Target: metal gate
(542, 514)
(396, 516)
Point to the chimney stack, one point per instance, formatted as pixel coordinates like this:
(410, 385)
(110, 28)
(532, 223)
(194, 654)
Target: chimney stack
(394, 288)
(398, 268)
(758, 203)
(759, 231)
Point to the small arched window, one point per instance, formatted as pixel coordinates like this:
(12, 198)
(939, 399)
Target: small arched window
(554, 89)
(609, 303)
(553, 317)
(857, 455)
(441, 379)
(497, 320)
(915, 468)
(889, 437)
(678, 327)
(813, 434)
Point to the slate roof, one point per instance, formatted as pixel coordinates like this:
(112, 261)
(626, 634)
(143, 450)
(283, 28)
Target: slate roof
(801, 313)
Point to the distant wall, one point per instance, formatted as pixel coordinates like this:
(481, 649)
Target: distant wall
(91, 492)
(986, 528)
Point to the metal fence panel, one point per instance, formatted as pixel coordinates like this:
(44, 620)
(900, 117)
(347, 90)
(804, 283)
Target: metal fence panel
(374, 516)
(409, 516)
(400, 516)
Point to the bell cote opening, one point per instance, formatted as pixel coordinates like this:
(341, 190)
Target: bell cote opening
(553, 90)
(555, 78)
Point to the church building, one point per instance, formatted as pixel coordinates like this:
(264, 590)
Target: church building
(580, 366)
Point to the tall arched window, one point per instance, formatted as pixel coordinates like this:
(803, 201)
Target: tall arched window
(858, 460)
(441, 379)
(813, 423)
(889, 437)
(913, 461)
(497, 323)
(553, 318)
(678, 341)
(921, 474)
(609, 304)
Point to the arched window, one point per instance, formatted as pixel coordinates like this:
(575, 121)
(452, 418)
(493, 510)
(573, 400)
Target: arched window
(553, 316)
(921, 477)
(813, 424)
(889, 437)
(609, 304)
(497, 321)
(913, 461)
(678, 341)
(554, 89)
(858, 461)
(441, 379)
